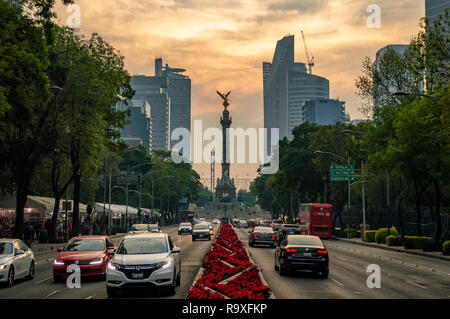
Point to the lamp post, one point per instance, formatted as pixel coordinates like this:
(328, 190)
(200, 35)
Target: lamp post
(433, 98)
(140, 182)
(345, 162)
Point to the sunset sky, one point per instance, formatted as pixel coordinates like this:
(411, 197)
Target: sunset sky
(222, 45)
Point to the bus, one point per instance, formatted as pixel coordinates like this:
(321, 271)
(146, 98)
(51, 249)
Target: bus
(316, 219)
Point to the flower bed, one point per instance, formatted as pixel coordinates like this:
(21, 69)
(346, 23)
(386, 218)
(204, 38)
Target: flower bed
(227, 258)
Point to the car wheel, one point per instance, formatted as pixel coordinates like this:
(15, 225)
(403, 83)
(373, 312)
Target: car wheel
(275, 265)
(179, 276)
(31, 273)
(172, 287)
(282, 270)
(193, 239)
(324, 273)
(111, 292)
(10, 281)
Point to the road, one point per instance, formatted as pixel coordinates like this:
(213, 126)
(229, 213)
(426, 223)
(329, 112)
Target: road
(403, 276)
(43, 287)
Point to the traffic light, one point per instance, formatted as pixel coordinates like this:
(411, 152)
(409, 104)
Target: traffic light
(242, 204)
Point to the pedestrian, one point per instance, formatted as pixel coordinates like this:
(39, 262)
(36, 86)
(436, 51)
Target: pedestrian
(59, 229)
(31, 232)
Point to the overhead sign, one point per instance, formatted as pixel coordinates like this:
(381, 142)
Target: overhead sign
(342, 173)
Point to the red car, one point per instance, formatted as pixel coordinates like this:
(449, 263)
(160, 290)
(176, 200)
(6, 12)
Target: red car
(90, 253)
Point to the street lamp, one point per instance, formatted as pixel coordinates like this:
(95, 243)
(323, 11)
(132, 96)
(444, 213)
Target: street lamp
(362, 174)
(345, 162)
(433, 98)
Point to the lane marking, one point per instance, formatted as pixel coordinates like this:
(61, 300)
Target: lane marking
(341, 258)
(52, 293)
(38, 282)
(339, 283)
(89, 297)
(413, 283)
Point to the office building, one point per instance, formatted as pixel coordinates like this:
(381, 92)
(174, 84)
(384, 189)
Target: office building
(323, 111)
(433, 8)
(139, 130)
(286, 86)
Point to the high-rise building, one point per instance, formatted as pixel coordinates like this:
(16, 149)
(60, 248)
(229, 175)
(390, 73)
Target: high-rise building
(153, 89)
(435, 7)
(323, 111)
(139, 131)
(286, 86)
(179, 91)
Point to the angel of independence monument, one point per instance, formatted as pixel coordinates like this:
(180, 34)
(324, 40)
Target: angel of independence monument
(225, 189)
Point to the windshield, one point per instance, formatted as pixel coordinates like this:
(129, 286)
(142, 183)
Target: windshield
(138, 246)
(139, 227)
(201, 227)
(305, 241)
(185, 225)
(263, 230)
(6, 249)
(85, 245)
(153, 226)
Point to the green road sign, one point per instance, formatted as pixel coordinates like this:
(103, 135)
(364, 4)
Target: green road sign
(347, 166)
(342, 178)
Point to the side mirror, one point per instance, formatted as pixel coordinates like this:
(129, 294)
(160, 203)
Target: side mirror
(19, 252)
(176, 250)
(59, 250)
(111, 251)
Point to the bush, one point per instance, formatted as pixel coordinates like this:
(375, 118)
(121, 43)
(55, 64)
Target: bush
(382, 233)
(354, 232)
(446, 248)
(369, 236)
(428, 244)
(392, 240)
(414, 242)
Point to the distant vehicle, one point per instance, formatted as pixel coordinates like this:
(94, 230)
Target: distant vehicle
(186, 216)
(243, 223)
(211, 228)
(144, 260)
(154, 228)
(265, 223)
(216, 221)
(201, 231)
(251, 223)
(302, 252)
(90, 253)
(235, 222)
(276, 224)
(16, 261)
(185, 228)
(139, 228)
(201, 220)
(287, 229)
(316, 219)
(262, 235)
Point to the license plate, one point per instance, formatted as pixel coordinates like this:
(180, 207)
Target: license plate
(137, 276)
(302, 255)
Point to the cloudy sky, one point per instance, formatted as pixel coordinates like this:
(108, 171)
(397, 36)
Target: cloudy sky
(222, 45)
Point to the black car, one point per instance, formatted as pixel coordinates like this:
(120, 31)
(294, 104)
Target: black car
(201, 231)
(265, 223)
(287, 229)
(185, 228)
(302, 252)
(262, 235)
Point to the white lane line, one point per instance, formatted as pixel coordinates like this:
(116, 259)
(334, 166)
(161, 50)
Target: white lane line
(50, 294)
(339, 283)
(413, 283)
(341, 258)
(38, 282)
(89, 297)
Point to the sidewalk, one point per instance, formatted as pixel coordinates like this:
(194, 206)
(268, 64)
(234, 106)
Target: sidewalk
(401, 249)
(42, 248)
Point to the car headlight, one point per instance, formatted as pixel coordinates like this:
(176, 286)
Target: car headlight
(112, 266)
(58, 262)
(96, 261)
(164, 264)
(2, 267)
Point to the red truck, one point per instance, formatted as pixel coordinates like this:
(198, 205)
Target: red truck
(316, 219)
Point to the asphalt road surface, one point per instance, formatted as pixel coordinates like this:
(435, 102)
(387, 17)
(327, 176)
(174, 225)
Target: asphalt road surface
(43, 287)
(402, 275)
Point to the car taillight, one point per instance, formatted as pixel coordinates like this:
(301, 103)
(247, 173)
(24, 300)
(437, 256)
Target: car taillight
(273, 236)
(291, 250)
(254, 235)
(322, 252)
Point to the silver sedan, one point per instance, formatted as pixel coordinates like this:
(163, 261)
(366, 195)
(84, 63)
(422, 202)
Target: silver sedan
(16, 261)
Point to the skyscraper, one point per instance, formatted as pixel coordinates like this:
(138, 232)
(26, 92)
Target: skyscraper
(286, 86)
(139, 131)
(435, 7)
(323, 112)
(179, 91)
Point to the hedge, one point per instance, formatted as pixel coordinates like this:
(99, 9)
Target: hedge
(414, 242)
(446, 248)
(392, 240)
(354, 232)
(369, 236)
(429, 244)
(382, 233)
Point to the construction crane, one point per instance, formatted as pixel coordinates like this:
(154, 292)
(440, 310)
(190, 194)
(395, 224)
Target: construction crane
(310, 61)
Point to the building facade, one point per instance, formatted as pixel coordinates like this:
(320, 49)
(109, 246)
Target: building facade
(286, 86)
(139, 130)
(433, 8)
(323, 111)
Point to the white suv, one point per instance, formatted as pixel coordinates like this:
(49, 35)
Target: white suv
(144, 260)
